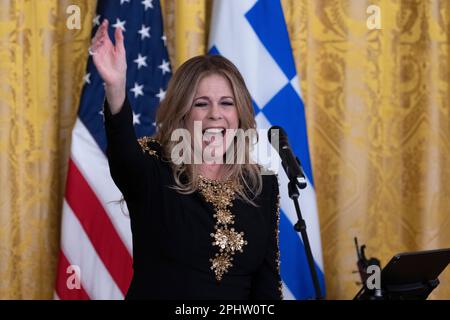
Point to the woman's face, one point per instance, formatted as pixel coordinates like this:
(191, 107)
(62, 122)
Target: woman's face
(213, 112)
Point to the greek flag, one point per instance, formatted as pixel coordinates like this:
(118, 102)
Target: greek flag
(253, 35)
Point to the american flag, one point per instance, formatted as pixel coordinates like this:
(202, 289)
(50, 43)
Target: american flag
(95, 258)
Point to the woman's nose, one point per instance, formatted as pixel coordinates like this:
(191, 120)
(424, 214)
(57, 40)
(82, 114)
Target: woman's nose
(214, 112)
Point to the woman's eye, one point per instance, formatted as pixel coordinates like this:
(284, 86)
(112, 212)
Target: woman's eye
(228, 103)
(200, 104)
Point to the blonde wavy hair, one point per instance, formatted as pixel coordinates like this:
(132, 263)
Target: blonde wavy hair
(177, 104)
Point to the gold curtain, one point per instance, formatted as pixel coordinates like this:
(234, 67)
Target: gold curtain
(42, 64)
(376, 106)
(378, 120)
(186, 23)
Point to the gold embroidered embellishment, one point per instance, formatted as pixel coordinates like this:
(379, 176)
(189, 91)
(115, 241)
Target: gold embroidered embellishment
(277, 230)
(224, 217)
(220, 264)
(144, 143)
(228, 240)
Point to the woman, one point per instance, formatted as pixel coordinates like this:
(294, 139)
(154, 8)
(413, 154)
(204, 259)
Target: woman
(201, 230)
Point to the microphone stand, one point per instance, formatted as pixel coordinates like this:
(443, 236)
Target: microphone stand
(300, 226)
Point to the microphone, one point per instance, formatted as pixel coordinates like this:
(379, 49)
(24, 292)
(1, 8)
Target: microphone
(291, 164)
(293, 168)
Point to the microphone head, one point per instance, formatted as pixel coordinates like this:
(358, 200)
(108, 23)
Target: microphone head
(276, 132)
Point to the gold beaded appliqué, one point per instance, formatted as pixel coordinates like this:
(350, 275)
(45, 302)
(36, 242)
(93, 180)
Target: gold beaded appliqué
(229, 241)
(277, 230)
(144, 143)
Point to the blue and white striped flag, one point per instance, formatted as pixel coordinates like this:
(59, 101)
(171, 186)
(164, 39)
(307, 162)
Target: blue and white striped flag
(253, 35)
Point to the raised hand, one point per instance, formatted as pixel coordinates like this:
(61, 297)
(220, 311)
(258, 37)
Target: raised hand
(110, 61)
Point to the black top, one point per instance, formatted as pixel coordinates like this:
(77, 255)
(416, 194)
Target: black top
(177, 238)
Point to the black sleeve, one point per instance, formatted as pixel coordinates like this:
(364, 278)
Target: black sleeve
(266, 284)
(131, 168)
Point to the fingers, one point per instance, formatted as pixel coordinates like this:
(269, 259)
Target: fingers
(100, 36)
(100, 30)
(118, 35)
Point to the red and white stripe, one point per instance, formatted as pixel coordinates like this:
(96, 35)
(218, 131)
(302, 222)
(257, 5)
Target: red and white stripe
(95, 234)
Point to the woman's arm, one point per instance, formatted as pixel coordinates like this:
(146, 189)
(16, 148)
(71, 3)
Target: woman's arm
(111, 63)
(266, 283)
(128, 165)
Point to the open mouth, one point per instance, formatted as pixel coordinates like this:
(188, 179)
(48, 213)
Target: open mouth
(213, 135)
(213, 131)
